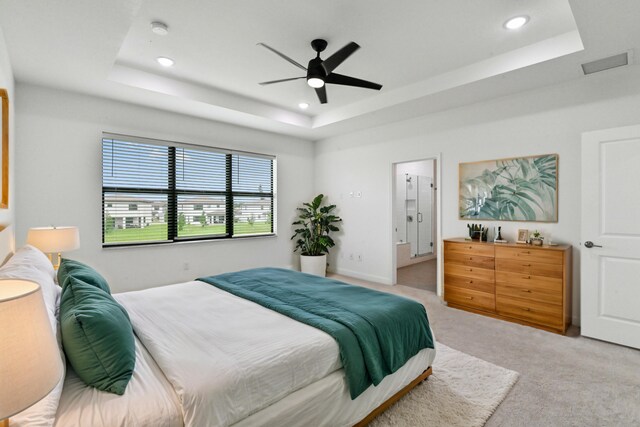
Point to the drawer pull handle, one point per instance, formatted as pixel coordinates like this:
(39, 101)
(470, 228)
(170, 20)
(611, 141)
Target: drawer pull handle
(471, 269)
(526, 277)
(470, 247)
(526, 265)
(526, 309)
(470, 258)
(469, 298)
(526, 290)
(525, 252)
(470, 282)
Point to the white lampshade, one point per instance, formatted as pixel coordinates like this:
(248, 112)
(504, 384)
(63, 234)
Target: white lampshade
(30, 362)
(54, 239)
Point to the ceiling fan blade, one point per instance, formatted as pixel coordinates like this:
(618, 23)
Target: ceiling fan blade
(283, 56)
(281, 80)
(322, 94)
(339, 79)
(332, 62)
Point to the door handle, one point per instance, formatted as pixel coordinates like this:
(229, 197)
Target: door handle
(419, 216)
(589, 244)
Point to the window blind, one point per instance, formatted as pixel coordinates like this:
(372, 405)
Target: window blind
(157, 192)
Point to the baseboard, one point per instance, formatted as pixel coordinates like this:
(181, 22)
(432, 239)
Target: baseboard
(362, 276)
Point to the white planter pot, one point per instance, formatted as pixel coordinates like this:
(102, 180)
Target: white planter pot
(314, 264)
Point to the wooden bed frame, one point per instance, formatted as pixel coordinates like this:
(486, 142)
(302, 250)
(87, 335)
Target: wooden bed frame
(393, 399)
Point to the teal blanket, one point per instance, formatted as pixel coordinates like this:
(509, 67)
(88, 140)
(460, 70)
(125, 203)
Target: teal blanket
(376, 332)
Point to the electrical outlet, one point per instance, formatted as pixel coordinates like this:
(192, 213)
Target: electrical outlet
(359, 194)
(359, 257)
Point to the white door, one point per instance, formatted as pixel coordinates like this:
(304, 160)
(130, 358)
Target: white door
(610, 253)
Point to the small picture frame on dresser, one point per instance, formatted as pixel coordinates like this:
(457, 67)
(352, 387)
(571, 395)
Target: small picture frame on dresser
(523, 236)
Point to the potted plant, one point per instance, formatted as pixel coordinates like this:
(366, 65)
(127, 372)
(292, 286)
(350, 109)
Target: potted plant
(315, 222)
(536, 238)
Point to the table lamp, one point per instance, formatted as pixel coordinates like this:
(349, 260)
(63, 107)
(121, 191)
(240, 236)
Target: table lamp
(54, 240)
(30, 362)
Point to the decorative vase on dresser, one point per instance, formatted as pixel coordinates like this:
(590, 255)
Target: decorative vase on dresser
(520, 283)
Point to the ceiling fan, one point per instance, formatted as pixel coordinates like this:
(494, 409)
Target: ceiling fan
(320, 72)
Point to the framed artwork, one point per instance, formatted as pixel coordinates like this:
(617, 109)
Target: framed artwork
(514, 189)
(4, 148)
(523, 236)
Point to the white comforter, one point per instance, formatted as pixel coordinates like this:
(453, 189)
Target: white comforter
(224, 374)
(149, 400)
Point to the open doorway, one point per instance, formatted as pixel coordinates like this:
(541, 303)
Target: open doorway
(415, 216)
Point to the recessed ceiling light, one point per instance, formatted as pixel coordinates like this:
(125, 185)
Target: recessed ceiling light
(315, 82)
(516, 22)
(303, 105)
(159, 28)
(164, 61)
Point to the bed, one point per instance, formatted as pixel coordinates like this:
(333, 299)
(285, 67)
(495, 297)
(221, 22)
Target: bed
(203, 357)
(290, 376)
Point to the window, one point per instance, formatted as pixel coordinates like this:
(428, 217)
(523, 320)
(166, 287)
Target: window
(161, 192)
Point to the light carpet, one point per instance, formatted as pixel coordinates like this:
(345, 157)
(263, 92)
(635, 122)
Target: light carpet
(462, 391)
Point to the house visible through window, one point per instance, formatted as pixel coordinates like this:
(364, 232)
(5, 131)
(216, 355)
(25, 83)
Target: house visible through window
(160, 192)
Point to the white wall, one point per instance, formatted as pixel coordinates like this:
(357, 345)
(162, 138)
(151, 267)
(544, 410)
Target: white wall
(549, 120)
(423, 167)
(58, 165)
(7, 82)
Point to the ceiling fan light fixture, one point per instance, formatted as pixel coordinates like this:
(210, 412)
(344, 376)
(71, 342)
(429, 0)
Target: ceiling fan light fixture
(516, 22)
(303, 105)
(320, 72)
(315, 82)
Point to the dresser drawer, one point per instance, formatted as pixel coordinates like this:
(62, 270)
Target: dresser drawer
(541, 313)
(528, 281)
(470, 298)
(470, 260)
(469, 283)
(529, 267)
(531, 293)
(471, 248)
(469, 271)
(528, 253)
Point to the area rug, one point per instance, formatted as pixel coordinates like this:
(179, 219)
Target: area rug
(462, 391)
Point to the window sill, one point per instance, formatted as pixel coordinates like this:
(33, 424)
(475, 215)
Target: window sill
(185, 242)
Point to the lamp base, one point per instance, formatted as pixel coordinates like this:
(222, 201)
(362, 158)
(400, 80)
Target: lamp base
(56, 265)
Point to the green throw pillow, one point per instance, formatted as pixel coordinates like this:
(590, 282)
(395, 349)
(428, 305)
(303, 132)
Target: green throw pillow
(69, 267)
(97, 336)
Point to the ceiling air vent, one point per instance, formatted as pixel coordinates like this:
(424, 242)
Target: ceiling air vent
(605, 63)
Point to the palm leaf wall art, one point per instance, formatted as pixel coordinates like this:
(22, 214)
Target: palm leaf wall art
(516, 189)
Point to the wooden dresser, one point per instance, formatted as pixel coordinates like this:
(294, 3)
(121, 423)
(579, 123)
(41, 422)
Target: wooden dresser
(525, 284)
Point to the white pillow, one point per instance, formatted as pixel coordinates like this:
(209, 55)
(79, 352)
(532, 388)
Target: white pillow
(29, 263)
